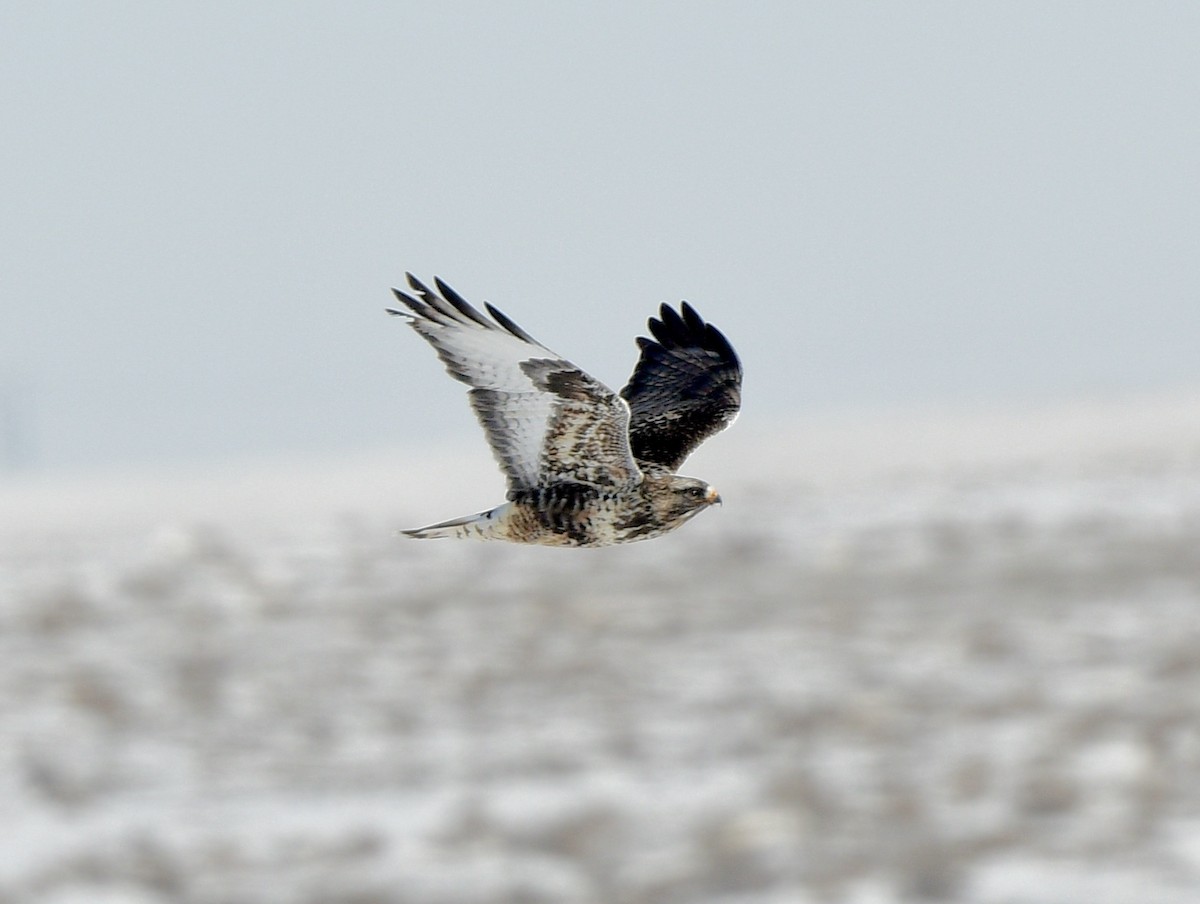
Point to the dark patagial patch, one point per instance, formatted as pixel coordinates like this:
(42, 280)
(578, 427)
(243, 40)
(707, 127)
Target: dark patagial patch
(563, 379)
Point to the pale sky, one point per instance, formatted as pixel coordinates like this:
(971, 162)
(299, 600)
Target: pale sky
(203, 207)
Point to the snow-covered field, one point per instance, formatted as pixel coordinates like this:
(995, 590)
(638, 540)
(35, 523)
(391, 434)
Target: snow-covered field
(931, 660)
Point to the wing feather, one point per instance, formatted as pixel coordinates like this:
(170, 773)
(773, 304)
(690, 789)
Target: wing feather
(546, 420)
(687, 385)
(509, 325)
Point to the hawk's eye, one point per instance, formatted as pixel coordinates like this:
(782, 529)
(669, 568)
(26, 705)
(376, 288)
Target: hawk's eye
(695, 492)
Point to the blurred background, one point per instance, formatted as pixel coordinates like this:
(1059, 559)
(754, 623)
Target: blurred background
(941, 642)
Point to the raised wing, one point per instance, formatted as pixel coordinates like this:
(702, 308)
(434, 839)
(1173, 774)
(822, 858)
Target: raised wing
(546, 420)
(686, 386)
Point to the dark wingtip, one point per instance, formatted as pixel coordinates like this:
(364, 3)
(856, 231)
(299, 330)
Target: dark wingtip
(719, 343)
(501, 318)
(460, 304)
(407, 300)
(669, 329)
(683, 328)
(426, 295)
(693, 320)
(447, 292)
(417, 307)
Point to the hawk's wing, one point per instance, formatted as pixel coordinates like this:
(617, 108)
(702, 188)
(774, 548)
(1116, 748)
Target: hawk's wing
(546, 420)
(685, 387)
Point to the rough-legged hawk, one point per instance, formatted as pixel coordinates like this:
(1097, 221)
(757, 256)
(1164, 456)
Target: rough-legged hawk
(585, 466)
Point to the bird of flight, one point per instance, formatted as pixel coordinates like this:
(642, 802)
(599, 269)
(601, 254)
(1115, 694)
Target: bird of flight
(585, 466)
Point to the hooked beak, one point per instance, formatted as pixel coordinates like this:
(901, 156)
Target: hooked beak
(712, 497)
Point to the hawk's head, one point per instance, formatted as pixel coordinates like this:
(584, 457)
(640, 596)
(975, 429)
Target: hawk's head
(685, 497)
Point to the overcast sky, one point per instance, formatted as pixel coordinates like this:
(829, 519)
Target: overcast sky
(204, 205)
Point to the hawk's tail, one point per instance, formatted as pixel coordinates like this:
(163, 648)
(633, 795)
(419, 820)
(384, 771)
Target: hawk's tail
(487, 525)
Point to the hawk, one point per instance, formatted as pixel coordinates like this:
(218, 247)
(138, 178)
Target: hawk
(585, 466)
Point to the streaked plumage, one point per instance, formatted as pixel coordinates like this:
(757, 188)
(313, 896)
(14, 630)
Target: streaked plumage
(585, 466)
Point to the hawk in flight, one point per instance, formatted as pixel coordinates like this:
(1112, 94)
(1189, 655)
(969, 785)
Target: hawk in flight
(585, 466)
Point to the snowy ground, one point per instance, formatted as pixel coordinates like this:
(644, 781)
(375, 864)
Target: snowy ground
(928, 661)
